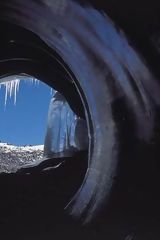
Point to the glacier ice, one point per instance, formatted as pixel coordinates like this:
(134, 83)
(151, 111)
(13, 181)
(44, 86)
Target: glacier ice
(66, 132)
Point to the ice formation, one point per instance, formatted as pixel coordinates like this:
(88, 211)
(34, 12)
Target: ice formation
(66, 133)
(12, 84)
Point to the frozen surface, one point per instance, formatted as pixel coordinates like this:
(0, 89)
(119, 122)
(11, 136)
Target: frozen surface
(66, 132)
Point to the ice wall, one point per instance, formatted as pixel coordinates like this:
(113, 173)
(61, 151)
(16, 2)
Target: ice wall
(66, 132)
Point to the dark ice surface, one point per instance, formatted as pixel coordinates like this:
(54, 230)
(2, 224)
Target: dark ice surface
(32, 208)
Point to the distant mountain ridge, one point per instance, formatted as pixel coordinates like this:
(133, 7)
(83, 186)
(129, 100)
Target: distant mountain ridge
(13, 157)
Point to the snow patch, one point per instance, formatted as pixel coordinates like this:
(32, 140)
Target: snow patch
(13, 157)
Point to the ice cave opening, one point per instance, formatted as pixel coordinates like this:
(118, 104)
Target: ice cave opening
(46, 116)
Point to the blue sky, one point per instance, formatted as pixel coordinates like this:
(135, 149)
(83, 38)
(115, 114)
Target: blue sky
(25, 122)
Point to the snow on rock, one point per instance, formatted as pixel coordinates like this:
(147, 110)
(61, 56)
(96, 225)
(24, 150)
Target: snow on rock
(13, 157)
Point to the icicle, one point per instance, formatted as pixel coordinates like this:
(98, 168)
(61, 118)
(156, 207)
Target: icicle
(52, 92)
(12, 86)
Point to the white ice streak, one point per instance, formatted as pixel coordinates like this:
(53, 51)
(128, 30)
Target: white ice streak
(12, 88)
(12, 84)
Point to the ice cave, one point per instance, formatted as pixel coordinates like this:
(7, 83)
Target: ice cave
(66, 133)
